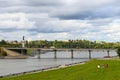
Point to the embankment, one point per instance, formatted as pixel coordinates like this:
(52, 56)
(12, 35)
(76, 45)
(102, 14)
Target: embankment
(14, 55)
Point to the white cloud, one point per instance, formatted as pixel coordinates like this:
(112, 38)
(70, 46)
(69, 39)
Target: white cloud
(15, 21)
(14, 35)
(54, 36)
(60, 19)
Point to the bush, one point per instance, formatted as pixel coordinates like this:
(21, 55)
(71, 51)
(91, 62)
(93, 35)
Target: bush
(2, 52)
(118, 51)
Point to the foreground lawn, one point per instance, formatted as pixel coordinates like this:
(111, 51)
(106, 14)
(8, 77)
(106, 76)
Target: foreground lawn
(88, 71)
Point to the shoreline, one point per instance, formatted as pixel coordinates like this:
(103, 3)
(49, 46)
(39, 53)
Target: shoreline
(44, 69)
(14, 57)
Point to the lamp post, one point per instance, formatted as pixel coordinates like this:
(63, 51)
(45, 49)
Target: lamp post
(23, 42)
(23, 45)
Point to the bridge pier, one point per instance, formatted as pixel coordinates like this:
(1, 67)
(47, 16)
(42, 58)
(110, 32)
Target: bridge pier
(89, 54)
(72, 54)
(39, 52)
(55, 54)
(108, 53)
(22, 51)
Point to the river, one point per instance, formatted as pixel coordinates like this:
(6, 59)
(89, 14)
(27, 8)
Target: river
(13, 66)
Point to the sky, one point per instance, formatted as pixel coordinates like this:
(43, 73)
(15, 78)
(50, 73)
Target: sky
(60, 20)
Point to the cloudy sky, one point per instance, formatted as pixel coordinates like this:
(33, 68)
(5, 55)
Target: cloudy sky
(60, 19)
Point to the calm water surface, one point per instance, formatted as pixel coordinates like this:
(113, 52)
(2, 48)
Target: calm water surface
(10, 66)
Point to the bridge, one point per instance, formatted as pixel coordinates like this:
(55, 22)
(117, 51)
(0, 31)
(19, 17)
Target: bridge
(39, 51)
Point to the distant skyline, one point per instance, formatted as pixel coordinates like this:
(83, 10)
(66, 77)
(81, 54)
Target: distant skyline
(60, 19)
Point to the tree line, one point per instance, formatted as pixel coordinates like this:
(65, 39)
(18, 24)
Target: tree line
(62, 44)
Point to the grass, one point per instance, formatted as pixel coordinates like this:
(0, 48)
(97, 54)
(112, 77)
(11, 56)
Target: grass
(88, 71)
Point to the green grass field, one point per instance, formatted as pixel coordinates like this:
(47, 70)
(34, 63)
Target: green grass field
(88, 71)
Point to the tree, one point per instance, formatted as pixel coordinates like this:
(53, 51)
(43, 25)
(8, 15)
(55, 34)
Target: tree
(55, 44)
(118, 51)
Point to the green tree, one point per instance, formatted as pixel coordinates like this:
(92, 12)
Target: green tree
(55, 44)
(118, 51)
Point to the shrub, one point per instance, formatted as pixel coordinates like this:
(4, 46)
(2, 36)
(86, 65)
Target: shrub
(2, 52)
(118, 51)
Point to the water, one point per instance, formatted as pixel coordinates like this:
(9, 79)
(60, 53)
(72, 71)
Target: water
(10, 66)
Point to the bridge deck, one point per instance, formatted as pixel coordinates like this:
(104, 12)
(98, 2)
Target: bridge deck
(64, 49)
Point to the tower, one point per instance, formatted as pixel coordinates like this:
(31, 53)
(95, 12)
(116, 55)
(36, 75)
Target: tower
(23, 42)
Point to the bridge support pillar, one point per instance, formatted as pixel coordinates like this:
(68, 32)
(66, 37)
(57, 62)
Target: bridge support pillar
(55, 54)
(22, 51)
(89, 54)
(39, 51)
(72, 54)
(108, 53)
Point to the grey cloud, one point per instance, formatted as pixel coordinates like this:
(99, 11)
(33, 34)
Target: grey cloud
(25, 9)
(28, 6)
(7, 3)
(97, 13)
(10, 30)
(46, 31)
(42, 2)
(83, 10)
(7, 30)
(59, 9)
(41, 28)
(100, 22)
